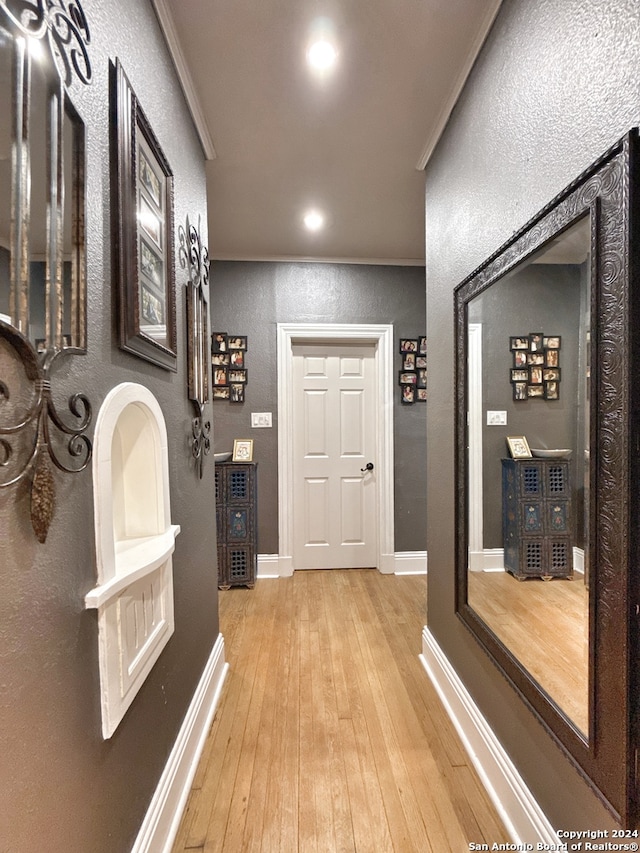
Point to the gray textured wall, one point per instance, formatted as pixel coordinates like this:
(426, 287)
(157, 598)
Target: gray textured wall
(62, 788)
(555, 85)
(251, 298)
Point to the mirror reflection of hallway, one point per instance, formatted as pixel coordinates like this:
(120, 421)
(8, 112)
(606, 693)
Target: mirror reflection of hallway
(544, 623)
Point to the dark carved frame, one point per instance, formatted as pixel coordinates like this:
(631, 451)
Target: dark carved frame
(127, 120)
(608, 757)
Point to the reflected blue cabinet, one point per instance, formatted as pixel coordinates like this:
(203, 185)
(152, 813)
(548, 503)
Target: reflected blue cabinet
(536, 518)
(236, 520)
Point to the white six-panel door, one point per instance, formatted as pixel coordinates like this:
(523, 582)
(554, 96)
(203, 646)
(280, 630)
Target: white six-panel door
(334, 437)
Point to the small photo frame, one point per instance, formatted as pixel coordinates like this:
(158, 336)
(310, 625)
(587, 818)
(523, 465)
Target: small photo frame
(535, 359)
(520, 358)
(422, 379)
(536, 376)
(237, 376)
(519, 343)
(520, 390)
(236, 392)
(551, 374)
(551, 391)
(536, 341)
(220, 359)
(219, 342)
(408, 377)
(535, 391)
(408, 394)
(552, 342)
(519, 374)
(422, 345)
(237, 342)
(421, 361)
(409, 345)
(220, 376)
(518, 447)
(409, 361)
(221, 392)
(421, 395)
(242, 450)
(236, 357)
(551, 358)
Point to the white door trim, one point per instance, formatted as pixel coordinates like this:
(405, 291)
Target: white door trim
(382, 336)
(474, 433)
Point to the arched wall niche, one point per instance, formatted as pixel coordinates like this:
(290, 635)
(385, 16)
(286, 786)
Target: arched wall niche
(135, 541)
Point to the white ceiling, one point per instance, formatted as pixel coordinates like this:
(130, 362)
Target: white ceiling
(353, 145)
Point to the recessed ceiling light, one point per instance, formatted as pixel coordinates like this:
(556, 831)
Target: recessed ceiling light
(313, 220)
(322, 55)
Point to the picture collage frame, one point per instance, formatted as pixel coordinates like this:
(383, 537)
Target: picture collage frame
(229, 366)
(412, 376)
(535, 372)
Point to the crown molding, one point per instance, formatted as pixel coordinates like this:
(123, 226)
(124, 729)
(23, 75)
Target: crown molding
(458, 85)
(297, 259)
(165, 19)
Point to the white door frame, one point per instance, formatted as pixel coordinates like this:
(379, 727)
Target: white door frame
(289, 334)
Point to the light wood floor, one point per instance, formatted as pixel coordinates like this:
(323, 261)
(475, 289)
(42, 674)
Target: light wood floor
(329, 736)
(546, 626)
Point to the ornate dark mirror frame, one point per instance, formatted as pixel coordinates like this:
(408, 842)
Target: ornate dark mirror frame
(27, 439)
(194, 257)
(608, 758)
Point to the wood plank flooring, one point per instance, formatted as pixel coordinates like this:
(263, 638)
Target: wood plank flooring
(546, 626)
(329, 735)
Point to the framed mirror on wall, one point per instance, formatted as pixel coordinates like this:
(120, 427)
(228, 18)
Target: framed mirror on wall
(545, 564)
(43, 52)
(143, 222)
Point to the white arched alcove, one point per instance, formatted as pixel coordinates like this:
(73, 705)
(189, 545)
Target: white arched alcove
(134, 543)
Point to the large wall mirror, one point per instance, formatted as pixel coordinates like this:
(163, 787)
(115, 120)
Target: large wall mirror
(43, 49)
(546, 541)
(42, 253)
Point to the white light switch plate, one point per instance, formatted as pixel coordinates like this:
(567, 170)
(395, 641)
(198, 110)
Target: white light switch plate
(261, 419)
(496, 418)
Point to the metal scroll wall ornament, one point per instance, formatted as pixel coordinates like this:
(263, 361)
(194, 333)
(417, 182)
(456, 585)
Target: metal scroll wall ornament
(194, 257)
(32, 434)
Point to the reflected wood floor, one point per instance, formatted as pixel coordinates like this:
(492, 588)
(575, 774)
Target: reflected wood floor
(546, 626)
(329, 735)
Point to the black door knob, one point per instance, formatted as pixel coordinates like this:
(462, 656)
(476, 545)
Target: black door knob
(368, 467)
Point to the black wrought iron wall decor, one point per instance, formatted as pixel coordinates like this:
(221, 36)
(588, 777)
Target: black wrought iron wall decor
(194, 257)
(43, 49)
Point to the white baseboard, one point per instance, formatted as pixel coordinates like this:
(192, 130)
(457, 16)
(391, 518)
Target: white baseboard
(268, 566)
(522, 816)
(578, 560)
(160, 825)
(487, 560)
(400, 563)
(411, 563)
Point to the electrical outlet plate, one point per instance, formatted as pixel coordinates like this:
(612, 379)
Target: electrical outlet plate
(260, 419)
(496, 418)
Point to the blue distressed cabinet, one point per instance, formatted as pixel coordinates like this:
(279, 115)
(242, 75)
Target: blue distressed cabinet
(236, 519)
(536, 518)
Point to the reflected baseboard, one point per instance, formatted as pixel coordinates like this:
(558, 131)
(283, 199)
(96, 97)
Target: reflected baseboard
(492, 560)
(487, 560)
